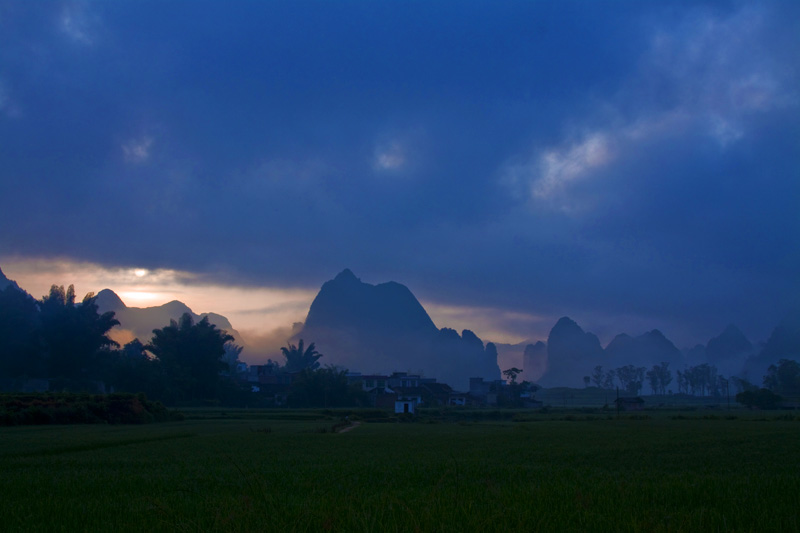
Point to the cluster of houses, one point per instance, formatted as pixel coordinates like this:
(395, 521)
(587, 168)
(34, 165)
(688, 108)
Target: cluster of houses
(401, 391)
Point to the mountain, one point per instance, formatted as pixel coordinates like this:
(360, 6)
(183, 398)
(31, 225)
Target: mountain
(534, 361)
(107, 300)
(696, 355)
(783, 343)
(345, 302)
(510, 355)
(141, 322)
(646, 350)
(383, 328)
(528, 355)
(621, 350)
(5, 282)
(728, 344)
(571, 354)
(729, 350)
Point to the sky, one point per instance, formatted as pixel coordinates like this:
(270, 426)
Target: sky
(633, 165)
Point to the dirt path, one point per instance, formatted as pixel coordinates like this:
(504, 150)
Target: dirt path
(354, 425)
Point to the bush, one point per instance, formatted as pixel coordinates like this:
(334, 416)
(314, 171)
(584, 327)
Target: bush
(69, 408)
(759, 399)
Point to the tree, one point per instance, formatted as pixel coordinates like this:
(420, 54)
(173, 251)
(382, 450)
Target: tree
(586, 381)
(190, 356)
(514, 394)
(742, 384)
(659, 377)
(664, 376)
(608, 381)
(133, 371)
(231, 357)
(598, 377)
(134, 350)
(74, 335)
(20, 341)
(323, 387)
(760, 399)
(652, 377)
(298, 359)
(511, 374)
(630, 378)
(700, 379)
(784, 378)
(683, 386)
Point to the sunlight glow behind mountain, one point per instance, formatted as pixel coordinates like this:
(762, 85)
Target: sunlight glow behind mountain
(256, 312)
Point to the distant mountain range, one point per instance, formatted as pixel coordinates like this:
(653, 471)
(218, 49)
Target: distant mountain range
(384, 328)
(142, 321)
(380, 328)
(571, 353)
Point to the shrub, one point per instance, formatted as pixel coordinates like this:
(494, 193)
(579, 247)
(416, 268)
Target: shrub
(69, 408)
(759, 399)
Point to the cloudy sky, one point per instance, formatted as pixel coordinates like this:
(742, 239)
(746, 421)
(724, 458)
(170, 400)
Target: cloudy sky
(629, 164)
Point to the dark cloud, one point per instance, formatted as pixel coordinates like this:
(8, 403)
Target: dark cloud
(611, 159)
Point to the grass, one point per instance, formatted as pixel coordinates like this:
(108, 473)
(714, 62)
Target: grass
(278, 471)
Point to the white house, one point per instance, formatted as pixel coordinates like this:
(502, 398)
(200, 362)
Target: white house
(405, 406)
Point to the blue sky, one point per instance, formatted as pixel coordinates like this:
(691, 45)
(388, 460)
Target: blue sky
(629, 164)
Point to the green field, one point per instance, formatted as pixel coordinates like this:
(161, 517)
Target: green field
(286, 471)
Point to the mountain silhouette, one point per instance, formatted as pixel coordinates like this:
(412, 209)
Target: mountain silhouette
(5, 282)
(646, 350)
(142, 321)
(534, 361)
(621, 348)
(107, 300)
(729, 350)
(783, 343)
(728, 344)
(571, 354)
(388, 308)
(383, 328)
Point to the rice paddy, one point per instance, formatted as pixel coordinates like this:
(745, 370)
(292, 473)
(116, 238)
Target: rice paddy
(286, 471)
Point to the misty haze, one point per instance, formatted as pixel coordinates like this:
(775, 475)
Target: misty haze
(422, 266)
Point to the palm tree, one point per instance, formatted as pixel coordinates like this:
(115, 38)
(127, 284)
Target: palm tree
(297, 359)
(74, 336)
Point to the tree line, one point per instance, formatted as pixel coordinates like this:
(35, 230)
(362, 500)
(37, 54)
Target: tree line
(631, 378)
(782, 379)
(67, 343)
(53, 337)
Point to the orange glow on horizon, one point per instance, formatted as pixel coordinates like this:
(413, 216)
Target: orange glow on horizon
(146, 299)
(258, 310)
(249, 308)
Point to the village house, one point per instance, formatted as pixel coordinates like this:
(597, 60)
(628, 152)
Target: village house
(269, 373)
(405, 392)
(482, 392)
(630, 404)
(370, 382)
(405, 406)
(270, 381)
